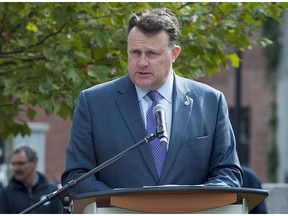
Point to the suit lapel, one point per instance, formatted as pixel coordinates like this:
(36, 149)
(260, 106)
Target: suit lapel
(128, 106)
(127, 103)
(181, 112)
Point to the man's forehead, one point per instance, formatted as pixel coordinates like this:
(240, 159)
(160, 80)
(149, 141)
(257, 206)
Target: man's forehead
(137, 36)
(20, 154)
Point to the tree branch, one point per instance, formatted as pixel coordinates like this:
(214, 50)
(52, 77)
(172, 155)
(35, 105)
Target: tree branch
(25, 59)
(48, 36)
(6, 105)
(36, 44)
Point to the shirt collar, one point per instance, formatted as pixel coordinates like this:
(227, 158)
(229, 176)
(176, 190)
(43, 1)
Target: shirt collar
(35, 181)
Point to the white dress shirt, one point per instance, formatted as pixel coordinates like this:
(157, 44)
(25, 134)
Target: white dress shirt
(166, 100)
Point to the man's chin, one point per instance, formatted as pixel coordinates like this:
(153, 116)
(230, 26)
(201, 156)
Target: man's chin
(19, 178)
(146, 84)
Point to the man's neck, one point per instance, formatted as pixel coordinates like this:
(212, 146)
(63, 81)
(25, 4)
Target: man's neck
(33, 181)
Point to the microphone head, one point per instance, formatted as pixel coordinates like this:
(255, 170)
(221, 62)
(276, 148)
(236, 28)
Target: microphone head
(159, 107)
(159, 112)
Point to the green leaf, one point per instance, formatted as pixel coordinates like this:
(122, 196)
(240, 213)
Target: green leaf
(264, 42)
(234, 59)
(31, 27)
(99, 72)
(31, 113)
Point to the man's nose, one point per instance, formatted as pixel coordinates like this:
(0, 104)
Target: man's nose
(143, 61)
(16, 168)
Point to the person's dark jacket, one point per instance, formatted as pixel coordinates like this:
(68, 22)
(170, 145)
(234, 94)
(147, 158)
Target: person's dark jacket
(16, 197)
(251, 180)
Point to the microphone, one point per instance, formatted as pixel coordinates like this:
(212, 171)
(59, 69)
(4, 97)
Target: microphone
(161, 129)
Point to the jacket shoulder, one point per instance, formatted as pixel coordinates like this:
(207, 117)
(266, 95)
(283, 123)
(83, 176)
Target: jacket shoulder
(198, 88)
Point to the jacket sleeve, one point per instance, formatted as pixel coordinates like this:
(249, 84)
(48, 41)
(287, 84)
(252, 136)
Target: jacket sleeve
(56, 205)
(224, 166)
(3, 204)
(80, 154)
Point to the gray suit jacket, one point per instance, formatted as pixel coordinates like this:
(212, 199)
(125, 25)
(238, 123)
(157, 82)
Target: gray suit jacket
(108, 120)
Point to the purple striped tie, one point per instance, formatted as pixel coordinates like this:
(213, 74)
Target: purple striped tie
(158, 151)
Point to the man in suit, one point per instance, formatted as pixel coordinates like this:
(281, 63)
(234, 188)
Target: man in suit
(111, 117)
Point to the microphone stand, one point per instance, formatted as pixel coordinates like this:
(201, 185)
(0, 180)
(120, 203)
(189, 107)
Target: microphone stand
(62, 193)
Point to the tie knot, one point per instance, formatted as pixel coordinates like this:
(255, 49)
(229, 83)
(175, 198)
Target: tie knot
(154, 96)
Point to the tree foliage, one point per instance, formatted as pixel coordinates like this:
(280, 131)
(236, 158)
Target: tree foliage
(50, 51)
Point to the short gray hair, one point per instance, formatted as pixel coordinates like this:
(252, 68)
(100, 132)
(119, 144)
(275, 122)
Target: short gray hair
(30, 152)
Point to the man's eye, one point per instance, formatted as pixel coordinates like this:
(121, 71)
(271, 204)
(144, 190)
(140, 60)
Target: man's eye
(152, 54)
(135, 52)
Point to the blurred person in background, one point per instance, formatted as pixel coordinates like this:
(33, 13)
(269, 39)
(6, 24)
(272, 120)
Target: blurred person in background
(27, 186)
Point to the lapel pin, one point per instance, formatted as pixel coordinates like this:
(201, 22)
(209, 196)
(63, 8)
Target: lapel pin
(186, 103)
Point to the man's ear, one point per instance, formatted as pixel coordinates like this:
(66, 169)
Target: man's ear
(175, 52)
(35, 162)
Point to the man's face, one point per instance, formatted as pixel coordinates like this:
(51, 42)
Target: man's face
(149, 58)
(23, 169)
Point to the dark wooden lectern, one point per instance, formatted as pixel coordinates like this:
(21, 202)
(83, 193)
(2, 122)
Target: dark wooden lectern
(170, 199)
